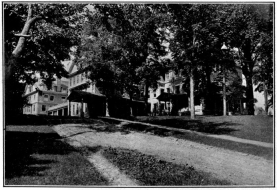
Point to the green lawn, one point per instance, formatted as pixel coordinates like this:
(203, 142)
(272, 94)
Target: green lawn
(259, 128)
(36, 155)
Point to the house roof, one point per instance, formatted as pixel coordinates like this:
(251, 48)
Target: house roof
(58, 106)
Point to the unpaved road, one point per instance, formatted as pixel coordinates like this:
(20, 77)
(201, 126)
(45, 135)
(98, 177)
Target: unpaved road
(238, 168)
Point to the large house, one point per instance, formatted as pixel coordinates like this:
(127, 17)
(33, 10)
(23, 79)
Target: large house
(85, 99)
(40, 99)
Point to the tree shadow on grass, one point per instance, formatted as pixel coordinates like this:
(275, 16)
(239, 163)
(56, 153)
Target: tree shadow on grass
(23, 148)
(195, 125)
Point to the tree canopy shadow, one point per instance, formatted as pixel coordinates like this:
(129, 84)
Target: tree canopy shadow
(218, 128)
(22, 148)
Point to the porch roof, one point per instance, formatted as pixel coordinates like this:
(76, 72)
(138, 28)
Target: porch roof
(166, 97)
(81, 96)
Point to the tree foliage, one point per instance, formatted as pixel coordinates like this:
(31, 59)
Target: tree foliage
(122, 46)
(244, 27)
(46, 34)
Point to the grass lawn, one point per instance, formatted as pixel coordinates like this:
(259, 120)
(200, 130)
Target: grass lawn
(36, 155)
(109, 126)
(150, 171)
(259, 128)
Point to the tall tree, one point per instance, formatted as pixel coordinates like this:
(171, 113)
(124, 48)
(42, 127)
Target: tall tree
(263, 72)
(194, 43)
(242, 27)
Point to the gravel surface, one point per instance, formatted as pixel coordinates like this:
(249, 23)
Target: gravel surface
(238, 168)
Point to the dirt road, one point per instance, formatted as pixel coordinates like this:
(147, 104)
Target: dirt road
(238, 168)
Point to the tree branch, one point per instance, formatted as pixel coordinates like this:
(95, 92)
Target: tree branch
(22, 35)
(20, 44)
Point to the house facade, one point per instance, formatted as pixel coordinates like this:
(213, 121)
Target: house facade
(40, 99)
(170, 96)
(85, 99)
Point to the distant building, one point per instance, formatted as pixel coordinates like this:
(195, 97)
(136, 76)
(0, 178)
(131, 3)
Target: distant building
(172, 96)
(40, 99)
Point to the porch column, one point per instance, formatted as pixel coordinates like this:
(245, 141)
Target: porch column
(82, 113)
(69, 108)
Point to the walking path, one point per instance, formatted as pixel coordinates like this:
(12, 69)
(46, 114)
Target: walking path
(236, 167)
(224, 137)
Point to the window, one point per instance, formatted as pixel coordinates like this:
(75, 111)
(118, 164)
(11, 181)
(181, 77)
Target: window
(82, 77)
(45, 97)
(77, 79)
(154, 94)
(30, 88)
(43, 108)
(162, 91)
(63, 98)
(73, 109)
(70, 81)
(55, 88)
(168, 90)
(73, 80)
(34, 107)
(51, 98)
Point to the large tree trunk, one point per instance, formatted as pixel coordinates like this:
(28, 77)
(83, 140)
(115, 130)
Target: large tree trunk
(265, 98)
(131, 106)
(247, 70)
(21, 43)
(24, 33)
(192, 111)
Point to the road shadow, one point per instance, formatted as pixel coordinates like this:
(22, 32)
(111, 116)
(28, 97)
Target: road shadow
(23, 148)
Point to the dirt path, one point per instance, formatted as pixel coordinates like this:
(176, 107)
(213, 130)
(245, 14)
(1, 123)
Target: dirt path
(236, 167)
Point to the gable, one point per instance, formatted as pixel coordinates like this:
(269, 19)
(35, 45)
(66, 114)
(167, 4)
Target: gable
(72, 68)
